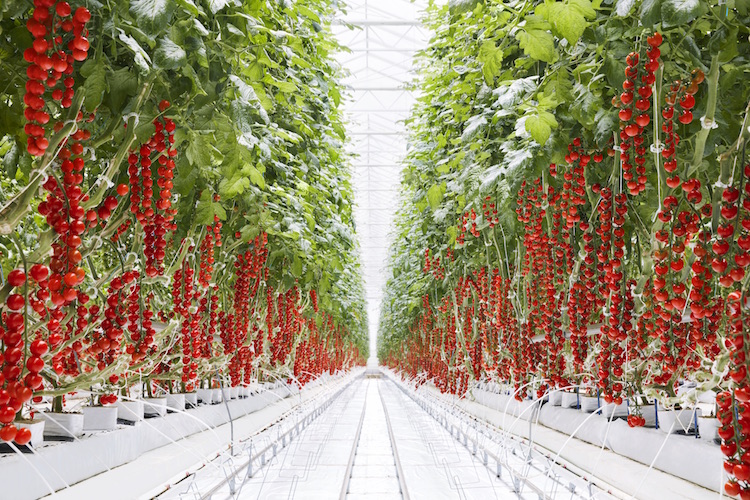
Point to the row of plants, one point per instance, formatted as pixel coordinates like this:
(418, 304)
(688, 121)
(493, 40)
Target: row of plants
(176, 206)
(575, 208)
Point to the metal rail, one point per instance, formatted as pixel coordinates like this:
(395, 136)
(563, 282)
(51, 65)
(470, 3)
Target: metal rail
(439, 411)
(281, 442)
(475, 447)
(352, 455)
(399, 470)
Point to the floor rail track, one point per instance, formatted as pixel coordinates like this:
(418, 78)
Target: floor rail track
(273, 446)
(399, 470)
(353, 455)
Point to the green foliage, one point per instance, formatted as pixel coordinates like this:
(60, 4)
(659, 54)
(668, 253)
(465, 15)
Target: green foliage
(568, 19)
(505, 87)
(536, 41)
(255, 96)
(540, 126)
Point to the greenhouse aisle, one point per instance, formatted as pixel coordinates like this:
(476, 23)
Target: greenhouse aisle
(374, 473)
(347, 453)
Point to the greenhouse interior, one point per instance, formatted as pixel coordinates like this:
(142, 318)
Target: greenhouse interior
(374, 249)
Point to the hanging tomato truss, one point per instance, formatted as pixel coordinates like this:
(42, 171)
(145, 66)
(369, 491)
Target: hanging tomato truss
(576, 210)
(194, 224)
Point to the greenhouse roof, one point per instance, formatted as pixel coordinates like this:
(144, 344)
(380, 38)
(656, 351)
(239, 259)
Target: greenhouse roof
(386, 36)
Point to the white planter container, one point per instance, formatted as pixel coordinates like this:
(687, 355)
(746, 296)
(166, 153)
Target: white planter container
(226, 394)
(63, 425)
(216, 396)
(154, 407)
(569, 400)
(648, 413)
(611, 410)
(205, 396)
(130, 411)
(555, 398)
(708, 428)
(671, 421)
(191, 399)
(589, 404)
(242, 392)
(175, 402)
(235, 391)
(37, 430)
(99, 418)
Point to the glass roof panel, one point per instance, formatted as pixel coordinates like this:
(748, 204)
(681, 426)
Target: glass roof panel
(386, 35)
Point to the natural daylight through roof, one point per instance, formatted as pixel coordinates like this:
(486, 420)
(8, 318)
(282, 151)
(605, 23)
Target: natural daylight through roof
(385, 36)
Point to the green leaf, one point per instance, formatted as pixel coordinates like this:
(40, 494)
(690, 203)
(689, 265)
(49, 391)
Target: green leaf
(583, 7)
(284, 86)
(95, 84)
(605, 127)
(435, 195)
(204, 213)
(473, 124)
(190, 6)
(199, 148)
(169, 55)
(297, 266)
(491, 58)
(535, 41)
(216, 5)
(10, 160)
(677, 12)
(189, 72)
(650, 12)
(152, 15)
(219, 211)
(141, 58)
(122, 84)
(187, 175)
(623, 7)
(461, 6)
(207, 209)
(254, 175)
(301, 9)
(559, 85)
(540, 126)
(568, 19)
(229, 187)
(249, 98)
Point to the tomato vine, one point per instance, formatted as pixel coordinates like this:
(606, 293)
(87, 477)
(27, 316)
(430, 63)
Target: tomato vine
(196, 192)
(588, 156)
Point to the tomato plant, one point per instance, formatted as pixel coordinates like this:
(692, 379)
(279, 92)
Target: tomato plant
(191, 160)
(591, 167)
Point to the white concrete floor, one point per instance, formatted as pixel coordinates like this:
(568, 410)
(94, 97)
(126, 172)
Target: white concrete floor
(314, 464)
(374, 474)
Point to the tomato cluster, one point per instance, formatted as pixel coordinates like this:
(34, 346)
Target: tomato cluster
(140, 322)
(106, 342)
(729, 251)
(636, 420)
(734, 416)
(155, 217)
(15, 391)
(211, 240)
(489, 210)
(467, 218)
(59, 41)
(635, 103)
